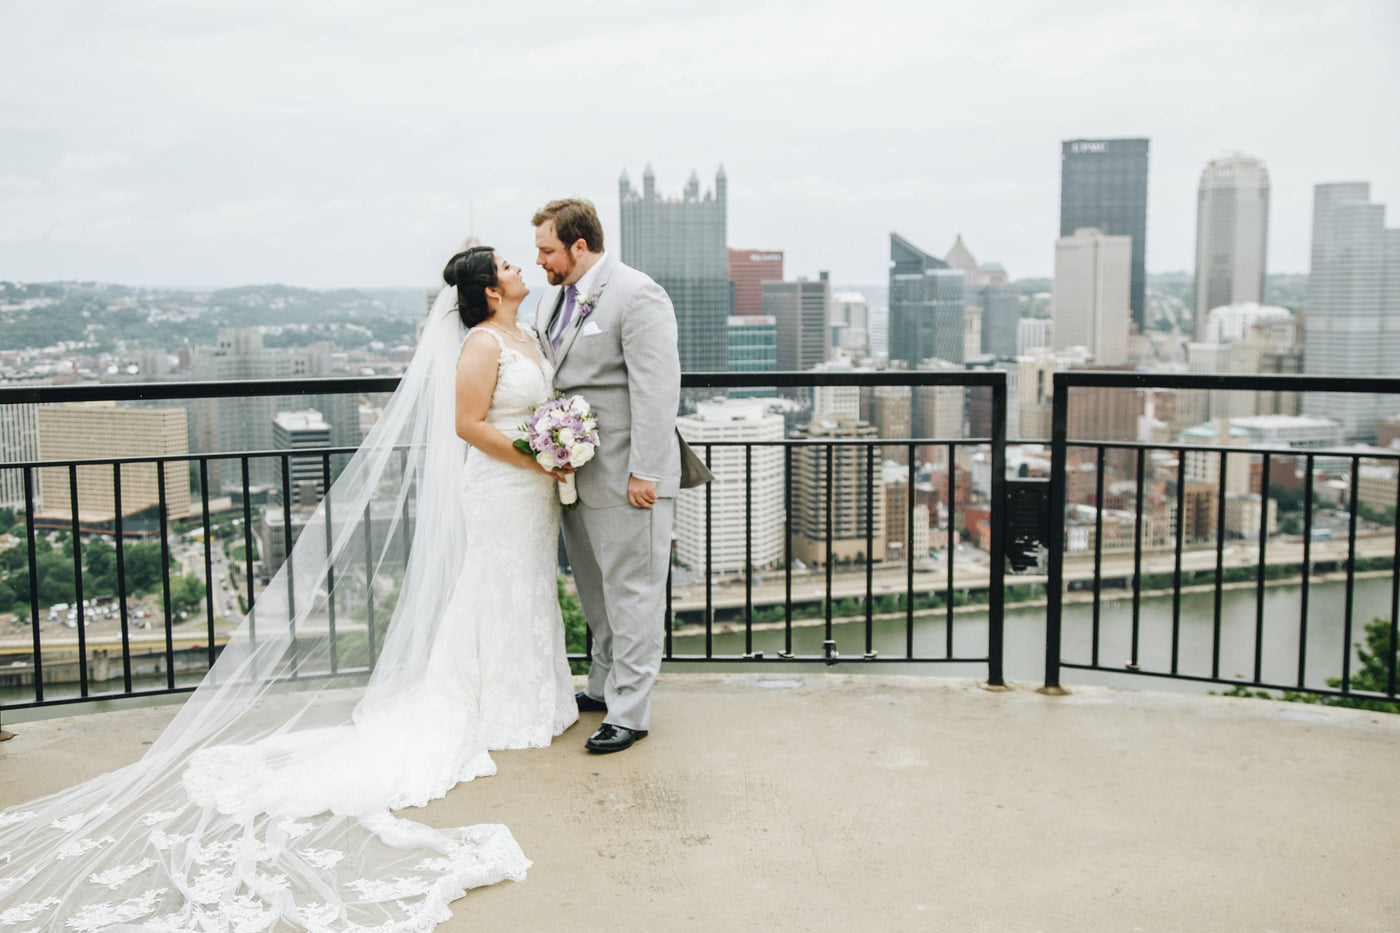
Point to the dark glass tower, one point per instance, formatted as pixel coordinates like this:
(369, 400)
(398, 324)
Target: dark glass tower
(680, 242)
(928, 304)
(1103, 184)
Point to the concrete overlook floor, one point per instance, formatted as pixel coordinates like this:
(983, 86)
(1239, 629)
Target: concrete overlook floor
(816, 801)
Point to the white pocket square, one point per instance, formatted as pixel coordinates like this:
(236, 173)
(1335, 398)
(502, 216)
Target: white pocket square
(590, 328)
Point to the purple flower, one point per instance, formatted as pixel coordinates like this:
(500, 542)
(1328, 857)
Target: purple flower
(561, 455)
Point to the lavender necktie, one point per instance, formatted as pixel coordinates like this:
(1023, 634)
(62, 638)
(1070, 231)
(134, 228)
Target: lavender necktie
(569, 294)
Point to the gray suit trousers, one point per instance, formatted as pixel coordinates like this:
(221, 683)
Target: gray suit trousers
(620, 556)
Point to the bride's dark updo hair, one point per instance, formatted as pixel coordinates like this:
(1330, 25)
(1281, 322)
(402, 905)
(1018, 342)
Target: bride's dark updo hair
(472, 271)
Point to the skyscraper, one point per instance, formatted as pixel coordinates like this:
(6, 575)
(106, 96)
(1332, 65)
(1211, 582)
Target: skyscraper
(1232, 235)
(800, 311)
(927, 306)
(231, 424)
(1093, 272)
(846, 508)
(1103, 184)
(748, 270)
(680, 242)
(1353, 304)
(753, 348)
(302, 430)
(989, 288)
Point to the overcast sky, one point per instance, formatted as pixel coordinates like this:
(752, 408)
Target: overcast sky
(356, 143)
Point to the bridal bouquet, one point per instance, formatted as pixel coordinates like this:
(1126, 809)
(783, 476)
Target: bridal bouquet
(562, 432)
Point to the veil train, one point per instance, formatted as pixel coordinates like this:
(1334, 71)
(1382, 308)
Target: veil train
(266, 802)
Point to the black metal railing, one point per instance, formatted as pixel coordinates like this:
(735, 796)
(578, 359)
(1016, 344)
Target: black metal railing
(171, 646)
(862, 612)
(1205, 567)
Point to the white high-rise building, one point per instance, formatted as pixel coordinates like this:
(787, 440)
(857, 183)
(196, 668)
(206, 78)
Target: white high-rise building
(1093, 292)
(1249, 320)
(1033, 333)
(1232, 235)
(19, 441)
(841, 401)
(1353, 316)
(745, 420)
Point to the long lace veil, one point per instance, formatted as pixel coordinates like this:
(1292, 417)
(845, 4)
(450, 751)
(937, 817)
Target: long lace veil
(265, 803)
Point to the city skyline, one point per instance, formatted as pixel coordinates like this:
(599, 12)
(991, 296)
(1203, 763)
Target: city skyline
(143, 147)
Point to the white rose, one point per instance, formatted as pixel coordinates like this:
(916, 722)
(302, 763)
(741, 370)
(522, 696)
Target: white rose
(589, 425)
(566, 437)
(579, 454)
(544, 459)
(578, 404)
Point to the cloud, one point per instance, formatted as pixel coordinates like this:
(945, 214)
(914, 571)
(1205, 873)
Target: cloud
(228, 142)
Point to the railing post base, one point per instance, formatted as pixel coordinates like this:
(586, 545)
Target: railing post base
(1052, 691)
(995, 688)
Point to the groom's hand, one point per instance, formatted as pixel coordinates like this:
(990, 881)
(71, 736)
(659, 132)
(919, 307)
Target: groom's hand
(641, 492)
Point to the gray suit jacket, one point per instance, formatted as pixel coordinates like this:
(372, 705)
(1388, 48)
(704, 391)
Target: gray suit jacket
(623, 358)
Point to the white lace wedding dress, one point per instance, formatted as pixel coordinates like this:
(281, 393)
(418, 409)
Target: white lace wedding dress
(267, 805)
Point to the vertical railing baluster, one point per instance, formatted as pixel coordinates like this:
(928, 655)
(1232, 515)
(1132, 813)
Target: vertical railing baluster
(1054, 585)
(1219, 566)
(208, 555)
(1135, 663)
(31, 533)
(1260, 575)
(748, 550)
(1391, 652)
(1304, 591)
(77, 533)
(952, 502)
(370, 573)
(1097, 611)
(1351, 577)
(1176, 563)
(289, 572)
(829, 645)
(330, 562)
(117, 528)
(709, 566)
(870, 550)
(248, 552)
(787, 551)
(996, 581)
(164, 511)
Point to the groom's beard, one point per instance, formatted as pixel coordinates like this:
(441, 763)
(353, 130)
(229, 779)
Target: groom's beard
(557, 278)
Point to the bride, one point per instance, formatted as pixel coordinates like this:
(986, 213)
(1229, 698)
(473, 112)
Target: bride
(266, 802)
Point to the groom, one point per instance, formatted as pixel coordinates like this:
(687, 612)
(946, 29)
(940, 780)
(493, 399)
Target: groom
(611, 334)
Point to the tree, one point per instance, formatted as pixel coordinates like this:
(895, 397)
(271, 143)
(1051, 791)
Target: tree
(143, 571)
(575, 625)
(1374, 675)
(186, 593)
(55, 578)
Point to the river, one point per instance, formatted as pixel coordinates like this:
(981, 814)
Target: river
(1024, 655)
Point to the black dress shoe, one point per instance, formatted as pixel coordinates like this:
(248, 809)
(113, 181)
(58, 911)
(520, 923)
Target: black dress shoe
(586, 704)
(612, 738)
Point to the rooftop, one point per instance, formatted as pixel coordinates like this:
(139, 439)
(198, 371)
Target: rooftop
(806, 800)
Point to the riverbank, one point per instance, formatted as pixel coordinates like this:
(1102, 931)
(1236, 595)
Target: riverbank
(730, 627)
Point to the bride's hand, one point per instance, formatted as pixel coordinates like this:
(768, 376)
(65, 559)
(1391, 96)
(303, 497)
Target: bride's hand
(559, 473)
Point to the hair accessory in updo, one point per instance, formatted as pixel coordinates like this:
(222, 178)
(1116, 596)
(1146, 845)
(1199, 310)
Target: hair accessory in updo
(471, 272)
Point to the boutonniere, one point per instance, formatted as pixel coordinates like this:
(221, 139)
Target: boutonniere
(585, 307)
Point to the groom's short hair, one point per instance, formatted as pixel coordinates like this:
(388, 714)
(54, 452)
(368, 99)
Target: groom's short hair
(574, 220)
